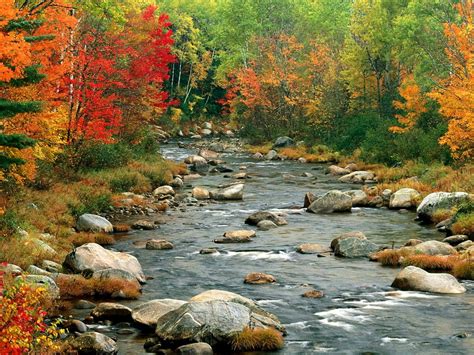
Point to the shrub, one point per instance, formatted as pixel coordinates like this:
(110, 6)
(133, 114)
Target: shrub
(441, 215)
(9, 223)
(463, 220)
(73, 286)
(126, 180)
(258, 340)
(90, 199)
(95, 155)
(22, 320)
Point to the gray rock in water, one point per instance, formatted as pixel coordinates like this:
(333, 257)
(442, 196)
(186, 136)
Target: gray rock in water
(200, 167)
(439, 201)
(158, 244)
(213, 322)
(84, 304)
(41, 281)
(331, 201)
(259, 278)
(257, 217)
(312, 248)
(404, 198)
(94, 343)
(413, 278)
(271, 155)
(112, 311)
(358, 177)
(258, 156)
(200, 193)
(455, 239)
(434, 247)
(336, 170)
(282, 142)
(266, 225)
(309, 198)
(92, 256)
(353, 245)
(234, 192)
(164, 191)
(93, 223)
(195, 349)
(359, 198)
(144, 225)
(149, 312)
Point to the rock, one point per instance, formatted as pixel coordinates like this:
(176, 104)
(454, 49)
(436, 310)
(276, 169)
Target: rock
(34, 270)
(351, 167)
(195, 349)
(164, 190)
(444, 224)
(207, 125)
(93, 343)
(158, 244)
(258, 156)
(223, 169)
(359, 198)
(413, 278)
(41, 245)
(461, 247)
(358, 177)
(84, 304)
(413, 242)
(437, 201)
(208, 154)
(208, 251)
(434, 247)
(234, 192)
(336, 170)
(117, 274)
(313, 294)
(354, 248)
(112, 311)
(240, 234)
(75, 325)
(233, 239)
(271, 155)
(200, 193)
(336, 241)
(10, 269)
(192, 159)
(213, 295)
(93, 223)
(312, 248)
(266, 225)
(404, 198)
(51, 266)
(229, 133)
(302, 160)
(376, 202)
(331, 201)
(196, 136)
(214, 322)
(92, 256)
(259, 278)
(177, 183)
(307, 175)
(43, 281)
(240, 176)
(206, 132)
(282, 142)
(309, 198)
(455, 239)
(149, 312)
(200, 167)
(144, 225)
(256, 217)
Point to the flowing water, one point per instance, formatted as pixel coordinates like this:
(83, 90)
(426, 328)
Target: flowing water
(360, 312)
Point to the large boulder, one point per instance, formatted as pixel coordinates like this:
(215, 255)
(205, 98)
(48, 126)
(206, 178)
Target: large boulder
(93, 223)
(331, 201)
(282, 142)
(359, 198)
(149, 312)
(92, 256)
(404, 198)
(111, 311)
(234, 192)
(212, 322)
(434, 247)
(257, 217)
(93, 343)
(353, 245)
(413, 278)
(358, 177)
(439, 201)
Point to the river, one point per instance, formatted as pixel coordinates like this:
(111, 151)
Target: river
(360, 312)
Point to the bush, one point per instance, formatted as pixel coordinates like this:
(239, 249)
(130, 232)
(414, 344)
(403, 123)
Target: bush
(97, 156)
(90, 199)
(463, 220)
(257, 340)
(9, 223)
(124, 180)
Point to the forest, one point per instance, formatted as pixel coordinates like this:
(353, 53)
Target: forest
(92, 93)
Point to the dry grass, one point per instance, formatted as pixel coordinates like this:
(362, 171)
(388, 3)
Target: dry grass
(391, 257)
(464, 269)
(441, 215)
(432, 262)
(264, 149)
(74, 286)
(258, 340)
(464, 224)
(121, 228)
(99, 238)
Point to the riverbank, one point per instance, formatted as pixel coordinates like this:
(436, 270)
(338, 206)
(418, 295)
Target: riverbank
(193, 224)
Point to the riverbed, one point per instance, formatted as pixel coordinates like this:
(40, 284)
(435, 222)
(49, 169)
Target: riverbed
(360, 312)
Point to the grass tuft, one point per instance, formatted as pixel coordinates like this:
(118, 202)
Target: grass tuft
(464, 269)
(258, 340)
(431, 262)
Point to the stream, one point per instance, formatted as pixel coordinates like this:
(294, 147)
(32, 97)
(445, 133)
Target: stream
(360, 312)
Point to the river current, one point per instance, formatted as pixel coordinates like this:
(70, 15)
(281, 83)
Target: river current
(360, 312)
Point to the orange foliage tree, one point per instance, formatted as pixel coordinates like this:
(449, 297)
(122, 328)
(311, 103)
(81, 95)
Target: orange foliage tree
(456, 93)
